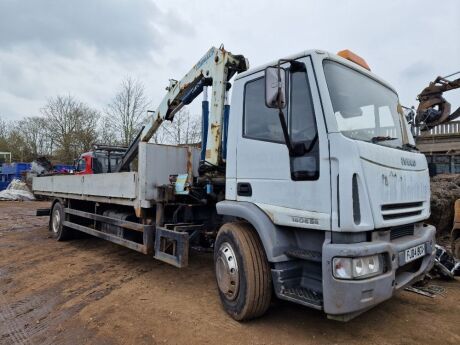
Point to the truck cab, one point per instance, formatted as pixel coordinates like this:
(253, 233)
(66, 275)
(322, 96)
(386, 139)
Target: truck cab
(341, 220)
(97, 162)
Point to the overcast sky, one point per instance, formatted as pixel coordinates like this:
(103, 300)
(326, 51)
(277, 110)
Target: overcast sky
(85, 47)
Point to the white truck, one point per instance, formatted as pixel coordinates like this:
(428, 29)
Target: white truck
(310, 187)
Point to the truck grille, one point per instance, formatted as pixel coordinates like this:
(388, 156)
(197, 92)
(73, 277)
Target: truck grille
(401, 231)
(411, 267)
(401, 210)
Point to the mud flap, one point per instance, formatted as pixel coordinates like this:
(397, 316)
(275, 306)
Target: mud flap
(42, 212)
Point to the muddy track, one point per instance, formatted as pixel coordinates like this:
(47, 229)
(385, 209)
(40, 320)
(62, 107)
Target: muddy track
(88, 291)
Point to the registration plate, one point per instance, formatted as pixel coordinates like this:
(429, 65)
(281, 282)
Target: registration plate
(414, 253)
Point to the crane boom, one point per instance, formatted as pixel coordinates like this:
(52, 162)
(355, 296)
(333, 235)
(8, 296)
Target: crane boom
(214, 69)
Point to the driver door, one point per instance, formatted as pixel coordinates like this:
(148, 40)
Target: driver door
(293, 191)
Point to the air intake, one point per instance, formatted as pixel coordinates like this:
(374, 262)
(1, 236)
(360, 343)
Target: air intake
(355, 195)
(401, 231)
(401, 210)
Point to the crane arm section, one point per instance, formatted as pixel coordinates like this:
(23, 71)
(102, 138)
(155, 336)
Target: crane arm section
(214, 69)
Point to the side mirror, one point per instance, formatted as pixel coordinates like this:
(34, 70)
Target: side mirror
(275, 87)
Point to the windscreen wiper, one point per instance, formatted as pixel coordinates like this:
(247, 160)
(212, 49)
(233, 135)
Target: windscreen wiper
(381, 138)
(410, 146)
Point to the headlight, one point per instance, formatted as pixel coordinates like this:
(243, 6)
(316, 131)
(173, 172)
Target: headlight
(357, 268)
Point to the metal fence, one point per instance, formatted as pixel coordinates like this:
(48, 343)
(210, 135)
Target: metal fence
(451, 128)
(444, 164)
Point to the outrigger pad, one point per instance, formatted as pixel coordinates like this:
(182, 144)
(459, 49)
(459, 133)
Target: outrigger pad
(171, 247)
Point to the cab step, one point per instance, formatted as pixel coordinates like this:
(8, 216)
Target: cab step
(303, 296)
(290, 284)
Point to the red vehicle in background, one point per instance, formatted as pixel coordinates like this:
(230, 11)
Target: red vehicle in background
(101, 159)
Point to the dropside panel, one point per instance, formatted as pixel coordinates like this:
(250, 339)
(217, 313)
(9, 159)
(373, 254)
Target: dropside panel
(110, 185)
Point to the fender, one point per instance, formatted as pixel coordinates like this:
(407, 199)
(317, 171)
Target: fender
(275, 239)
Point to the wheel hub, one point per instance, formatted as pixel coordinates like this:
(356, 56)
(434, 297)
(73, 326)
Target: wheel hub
(227, 271)
(56, 221)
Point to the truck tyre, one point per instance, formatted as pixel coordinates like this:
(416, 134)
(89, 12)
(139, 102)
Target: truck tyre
(242, 271)
(58, 231)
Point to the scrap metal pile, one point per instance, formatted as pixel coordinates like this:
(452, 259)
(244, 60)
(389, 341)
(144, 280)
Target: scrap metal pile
(17, 190)
(445, 190)
(445, 265)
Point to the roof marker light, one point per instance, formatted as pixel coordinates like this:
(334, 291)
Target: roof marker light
(349, 55)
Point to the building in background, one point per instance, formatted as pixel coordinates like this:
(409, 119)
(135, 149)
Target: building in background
(441, 146)
(5, 157)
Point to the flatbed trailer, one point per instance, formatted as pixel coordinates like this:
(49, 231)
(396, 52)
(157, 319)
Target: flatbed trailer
(310, 188)
(128, 190)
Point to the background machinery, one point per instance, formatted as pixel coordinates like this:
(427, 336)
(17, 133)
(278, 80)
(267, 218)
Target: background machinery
(101, 159)
(433, 109)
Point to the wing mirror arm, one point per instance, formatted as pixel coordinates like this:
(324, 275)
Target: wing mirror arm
(275, 97)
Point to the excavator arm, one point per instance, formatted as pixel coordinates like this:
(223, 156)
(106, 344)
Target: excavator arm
(214, 69)
(433, 109)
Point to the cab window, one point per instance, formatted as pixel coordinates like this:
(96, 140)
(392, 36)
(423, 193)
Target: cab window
(260, 122)
(263, 123)
(81, 165)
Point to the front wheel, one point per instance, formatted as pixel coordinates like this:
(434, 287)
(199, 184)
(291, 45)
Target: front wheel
(242, 271)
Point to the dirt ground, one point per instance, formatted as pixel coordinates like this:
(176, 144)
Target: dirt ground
(89, 291)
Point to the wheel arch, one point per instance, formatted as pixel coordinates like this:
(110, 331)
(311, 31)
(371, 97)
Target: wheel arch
(55, 200)
(274, 240)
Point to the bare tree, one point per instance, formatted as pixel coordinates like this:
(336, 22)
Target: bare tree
(184, 129)
(107, 135)
(72, 126)
(16, 143)
(12, 140)
(127, 110)
(35, 136)
(3, 135)
(3, 128)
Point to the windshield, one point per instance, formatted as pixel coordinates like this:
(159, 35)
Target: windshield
(364, 108)
(101, 163)
(81, 165)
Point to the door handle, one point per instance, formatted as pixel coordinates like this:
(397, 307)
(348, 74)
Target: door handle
(244, 189)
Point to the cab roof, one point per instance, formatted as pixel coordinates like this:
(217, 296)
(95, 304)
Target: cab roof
(322, 54)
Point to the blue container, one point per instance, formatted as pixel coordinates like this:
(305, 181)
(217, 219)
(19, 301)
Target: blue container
(9, 172)
(61, 167)
(15, 169)
(12, 171)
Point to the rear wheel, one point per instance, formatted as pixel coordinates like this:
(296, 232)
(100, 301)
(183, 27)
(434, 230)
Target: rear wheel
(58, 230)
(242, 271)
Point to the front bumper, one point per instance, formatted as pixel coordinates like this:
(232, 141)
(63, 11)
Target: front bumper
(345, 299)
